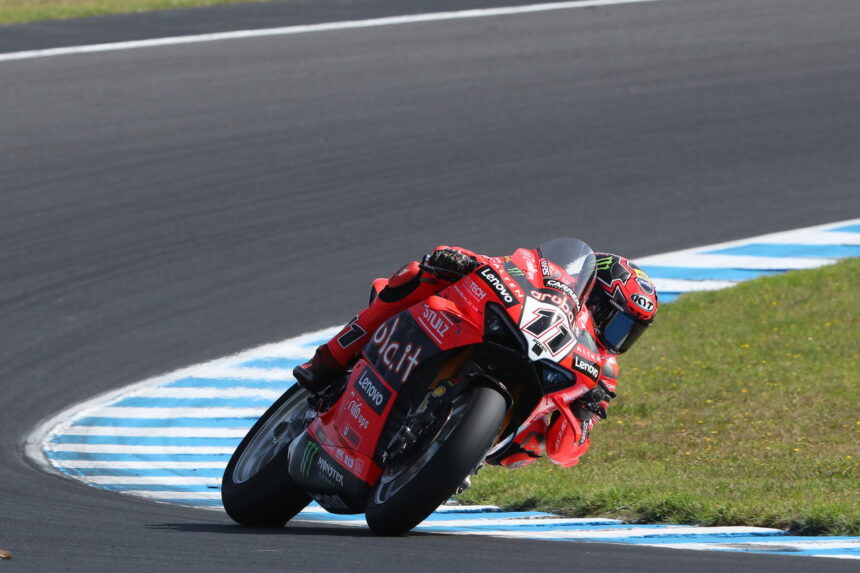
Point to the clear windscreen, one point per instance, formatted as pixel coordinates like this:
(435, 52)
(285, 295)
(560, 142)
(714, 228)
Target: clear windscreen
(574, 262)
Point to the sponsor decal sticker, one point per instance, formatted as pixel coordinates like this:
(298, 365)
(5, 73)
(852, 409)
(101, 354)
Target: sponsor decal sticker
(396, 360)
(354, 408)
(475, 290)
(372, 391)
(437, 324)
(312, 450)
(603, 263)
(642, 302)
(558, 285)
(495, 282)
(586, 367)
(328, 472)
(544, 268)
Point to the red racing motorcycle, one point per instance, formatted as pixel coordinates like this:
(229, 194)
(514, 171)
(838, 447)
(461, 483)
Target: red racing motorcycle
(438, 389)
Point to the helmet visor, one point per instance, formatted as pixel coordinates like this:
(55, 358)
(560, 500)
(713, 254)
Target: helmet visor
(621, 331)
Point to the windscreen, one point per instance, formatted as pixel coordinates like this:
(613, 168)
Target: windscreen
(574, 264)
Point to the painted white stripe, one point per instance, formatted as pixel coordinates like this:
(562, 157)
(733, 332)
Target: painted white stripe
(610, 534)
(168, 495)
(816, 237)
(783, 542)
(120, 449)
(162, 392)
(325, 27)
(111, 465)
(170, 432)
(118, 412)
(680, 285)
(512, 521)
(223, 371)
(697, 260)
(456, 508)
(782, 236)
(152, 480)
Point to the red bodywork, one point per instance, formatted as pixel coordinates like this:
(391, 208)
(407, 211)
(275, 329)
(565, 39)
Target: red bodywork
(552, 321)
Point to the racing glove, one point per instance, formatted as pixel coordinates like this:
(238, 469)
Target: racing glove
(449, 264)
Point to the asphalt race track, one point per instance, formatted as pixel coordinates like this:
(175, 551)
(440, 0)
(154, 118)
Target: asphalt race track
(166, 206)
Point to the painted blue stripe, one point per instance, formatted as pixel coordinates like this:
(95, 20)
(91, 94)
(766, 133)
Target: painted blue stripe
(195, 382)
(704, 274)
(669, 537)
(548, 526)
(117, 457)
(138, 472)
(846, 229)
(156, 487)
(330, 517)
(145, 440)
(456, 509)
(147, 402)
(446, 516)
(167, 422)
(197, 502)
(668, 296)
(657, 537)
(746, 538)
(274, 362)
(791, 250)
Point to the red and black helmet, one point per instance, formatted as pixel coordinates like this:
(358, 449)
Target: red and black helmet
(623, 302)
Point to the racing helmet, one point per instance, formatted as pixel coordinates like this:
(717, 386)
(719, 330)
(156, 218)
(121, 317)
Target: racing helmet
(622, 303)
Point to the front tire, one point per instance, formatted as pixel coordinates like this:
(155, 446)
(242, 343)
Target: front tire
(256, 489)
(404, 498)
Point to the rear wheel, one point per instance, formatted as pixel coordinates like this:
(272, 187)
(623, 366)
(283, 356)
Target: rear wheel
(409, 490)
(256, 489)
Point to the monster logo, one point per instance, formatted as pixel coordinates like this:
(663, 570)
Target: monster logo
(603, 263)
(312, 449)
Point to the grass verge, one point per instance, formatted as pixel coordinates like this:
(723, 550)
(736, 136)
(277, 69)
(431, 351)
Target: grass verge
(738, 407)
(19, 11)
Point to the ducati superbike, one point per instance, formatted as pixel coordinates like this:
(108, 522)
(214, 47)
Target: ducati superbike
(438, 390)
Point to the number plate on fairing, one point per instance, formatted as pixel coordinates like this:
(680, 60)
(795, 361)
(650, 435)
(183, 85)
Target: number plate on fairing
(548, 330)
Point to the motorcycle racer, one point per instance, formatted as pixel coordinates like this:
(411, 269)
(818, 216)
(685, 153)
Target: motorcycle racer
(619, 308)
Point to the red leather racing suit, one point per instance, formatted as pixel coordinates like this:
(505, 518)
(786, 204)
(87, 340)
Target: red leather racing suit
(563, 444)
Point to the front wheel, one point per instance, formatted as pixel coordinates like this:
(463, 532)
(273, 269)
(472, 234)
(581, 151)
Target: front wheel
(406, 495)
(256, 490)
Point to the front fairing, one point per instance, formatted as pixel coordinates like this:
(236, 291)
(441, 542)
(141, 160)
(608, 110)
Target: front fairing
(545, 359)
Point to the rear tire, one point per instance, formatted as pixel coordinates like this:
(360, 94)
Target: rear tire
(256, 489)
(400, 501)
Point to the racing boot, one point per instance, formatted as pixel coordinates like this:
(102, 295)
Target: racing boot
(320, 372)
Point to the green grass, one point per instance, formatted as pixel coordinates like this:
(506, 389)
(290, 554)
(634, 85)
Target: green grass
(18, 11)
(738, 407)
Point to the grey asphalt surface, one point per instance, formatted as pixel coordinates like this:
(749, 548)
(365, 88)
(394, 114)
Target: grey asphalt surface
(166, 206)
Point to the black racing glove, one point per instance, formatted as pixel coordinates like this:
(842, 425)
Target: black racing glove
(449, 264)
(593, 399)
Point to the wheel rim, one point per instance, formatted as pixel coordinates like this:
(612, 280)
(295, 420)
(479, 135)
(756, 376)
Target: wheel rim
(393, 480)
(281, 428)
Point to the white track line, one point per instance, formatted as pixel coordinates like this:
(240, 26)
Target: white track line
(325, 27)
(149, 480)
(121, 449)
(142, 465)
(148, 432)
